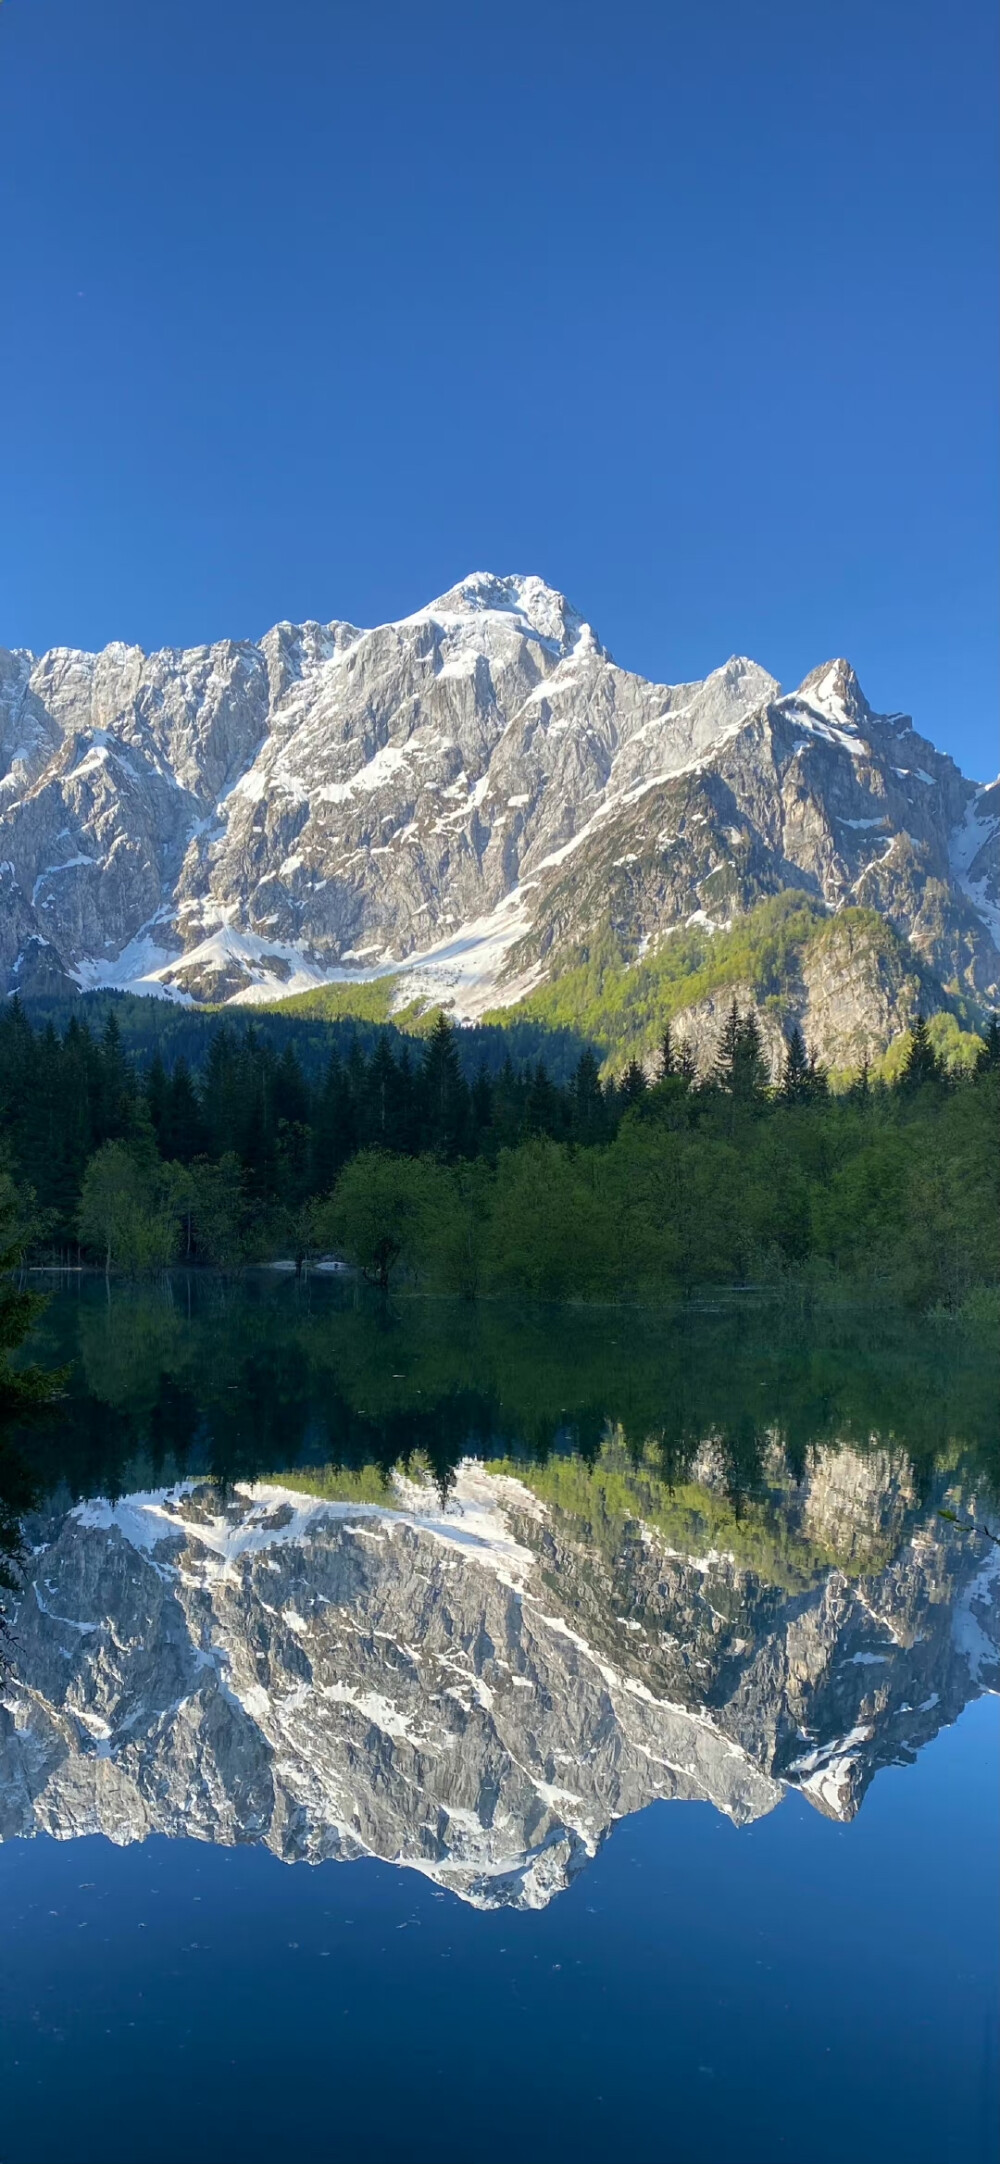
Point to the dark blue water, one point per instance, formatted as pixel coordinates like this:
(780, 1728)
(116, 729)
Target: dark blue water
(796, 1956)
(793, 1989)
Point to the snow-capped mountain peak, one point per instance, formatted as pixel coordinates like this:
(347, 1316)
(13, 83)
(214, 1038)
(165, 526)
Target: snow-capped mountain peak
(467, 795)
(834, 689)
(536, 608)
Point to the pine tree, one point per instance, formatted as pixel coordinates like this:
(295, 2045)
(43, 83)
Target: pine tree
(727, 1056)
(797, 1073)
(291, 1094)
(184, 1136)
(668, 1057)
(818, 1084)
(989, 1057)
(588, 1108)
(922, 1064)
(116, 1086)
(543, 1106)
(157, 1098)
(482, 1109)
(632, 1086)
(335, 1131)
(861, 1089)
(740, 1067)
(687, 1066)
(446, 1098)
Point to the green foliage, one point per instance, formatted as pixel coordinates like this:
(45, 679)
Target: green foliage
(131, 1210)
(514, 1184)
(363, 1002)
(20, 1386)
(624, 1006)
(383, 1212)
(891, 1196)
(227, 1229)
(340, 1484)
(25, 1387)
(606, 1413)
(601, 1500)
(956, 1051)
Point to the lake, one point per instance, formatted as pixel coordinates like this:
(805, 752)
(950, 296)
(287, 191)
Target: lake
(459, 1734)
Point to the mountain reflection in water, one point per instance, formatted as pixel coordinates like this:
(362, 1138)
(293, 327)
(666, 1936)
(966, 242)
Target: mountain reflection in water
(545, 1570)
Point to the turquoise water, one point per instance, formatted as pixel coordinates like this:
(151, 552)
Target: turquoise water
(454, 1736)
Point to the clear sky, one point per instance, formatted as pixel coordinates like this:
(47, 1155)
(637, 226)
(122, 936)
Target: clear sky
(687, 305)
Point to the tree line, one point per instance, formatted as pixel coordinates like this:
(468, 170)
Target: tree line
(595, 1188)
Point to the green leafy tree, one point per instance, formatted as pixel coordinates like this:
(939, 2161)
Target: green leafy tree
(226, 1222)
(130, 1211)
(378, 1214)
(548, 1233)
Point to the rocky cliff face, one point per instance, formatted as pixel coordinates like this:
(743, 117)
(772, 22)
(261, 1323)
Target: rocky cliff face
(476, 1690)
(468, 794)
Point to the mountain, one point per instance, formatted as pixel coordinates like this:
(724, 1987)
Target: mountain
(474, 801)
(478, 1689)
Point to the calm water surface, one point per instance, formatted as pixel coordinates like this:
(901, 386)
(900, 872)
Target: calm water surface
(447, 1735)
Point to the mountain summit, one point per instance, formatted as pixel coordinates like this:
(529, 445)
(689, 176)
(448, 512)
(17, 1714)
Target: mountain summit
(470, 797)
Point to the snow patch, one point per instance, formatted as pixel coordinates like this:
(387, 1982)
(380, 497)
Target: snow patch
(979, 829)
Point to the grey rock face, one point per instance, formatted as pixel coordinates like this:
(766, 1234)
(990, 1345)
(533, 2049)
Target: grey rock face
(481, 781)
(470, 1691)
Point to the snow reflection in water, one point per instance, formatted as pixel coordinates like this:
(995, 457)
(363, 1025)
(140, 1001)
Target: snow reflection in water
(477, 1685)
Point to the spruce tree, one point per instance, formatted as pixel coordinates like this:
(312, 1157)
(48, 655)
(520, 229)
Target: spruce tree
(740, 1067)
(795, 1072)
(446, 1098)
(989, 1057)
(482, 1109)
(668, 1057)
(687, 1067)
(543, 1107)
(382, 1099)
(588, 1108)
(184, 1136)
(861, 1089)
(726, 1066)
(291, 1094)
(922, 1064)
(157, 1095)
(335, 1132)
(633, 1085)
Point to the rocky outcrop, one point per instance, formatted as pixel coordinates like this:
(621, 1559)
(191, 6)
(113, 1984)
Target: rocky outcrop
(467, 796)
(476, 1690)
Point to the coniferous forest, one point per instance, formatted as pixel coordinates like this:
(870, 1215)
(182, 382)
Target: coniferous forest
(394, 1158)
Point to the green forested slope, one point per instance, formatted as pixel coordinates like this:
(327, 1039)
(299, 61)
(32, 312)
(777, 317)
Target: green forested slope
(621, 1005)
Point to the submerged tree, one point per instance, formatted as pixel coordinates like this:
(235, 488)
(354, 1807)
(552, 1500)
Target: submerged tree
(131, 1210)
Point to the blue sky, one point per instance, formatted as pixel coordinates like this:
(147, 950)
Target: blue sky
(312, 308)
